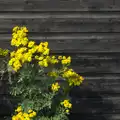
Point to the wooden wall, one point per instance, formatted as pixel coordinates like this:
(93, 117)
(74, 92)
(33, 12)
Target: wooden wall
(88, 31)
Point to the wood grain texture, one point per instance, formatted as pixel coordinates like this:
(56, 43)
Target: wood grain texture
(86, 30)
(82, 42)
(59, 5)
(57, 25)
(11, 5)
(62, 21)
(81, 16)
(71, 5)
(94, 116)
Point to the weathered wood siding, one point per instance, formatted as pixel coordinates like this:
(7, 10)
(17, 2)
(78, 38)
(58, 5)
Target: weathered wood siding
(89, 31)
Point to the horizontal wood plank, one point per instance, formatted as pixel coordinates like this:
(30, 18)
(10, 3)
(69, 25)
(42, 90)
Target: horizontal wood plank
(89, 16)
(104, 84)
(59, 5)
(97, 105)
(71, 5)
(57, 25)
(93, 116)
(12, 5)
(86, 42)
(61, 21)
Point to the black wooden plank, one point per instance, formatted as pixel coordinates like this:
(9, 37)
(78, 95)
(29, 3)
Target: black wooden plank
(59, 5)
(61, 21)
(104, 84)
(93, 116)
(88, 16)
(56, 25)
(12, 5)
(86, 42)
(87, 105)
(71, 5)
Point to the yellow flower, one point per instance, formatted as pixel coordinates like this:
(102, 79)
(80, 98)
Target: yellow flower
(11, 61)
(24, 43)
(37, 57)
(46, 52)
(66, 104)
(20, 113)
(29, 111)
(32, 50)
(19, 56)
(66, 60)
(45, 44)
(27, 118)
(45, 64)
(15, 28)
(55, 87)
(53, 60)
(19, 109)
(41, 63)
(53, 74)
(24, 29)
(70, 105)
(81, 78)
(29, 59)
(34, 113)
(31, 44)
(3, 52)
(17, 63)
(67, 111)
(53, 57)
(31, 115)
(60, 57)
(25, 114)
(41, 58)
(40, 48)
(14, 117)
(72, 77)
(12, 54)
(25, 39)
(64, 57)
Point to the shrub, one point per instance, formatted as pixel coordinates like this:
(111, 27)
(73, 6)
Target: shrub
(41, 81)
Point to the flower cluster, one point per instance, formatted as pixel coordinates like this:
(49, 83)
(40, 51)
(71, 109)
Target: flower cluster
(4, 52)
(72, 77)
(19, 36)
(26, 50)
(65, 60)
(67, 105)
(23, 115)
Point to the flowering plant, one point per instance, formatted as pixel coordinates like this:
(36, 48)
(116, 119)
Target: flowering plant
(40, 80)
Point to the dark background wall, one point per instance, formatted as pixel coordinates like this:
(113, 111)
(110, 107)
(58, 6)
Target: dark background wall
(88, 31)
